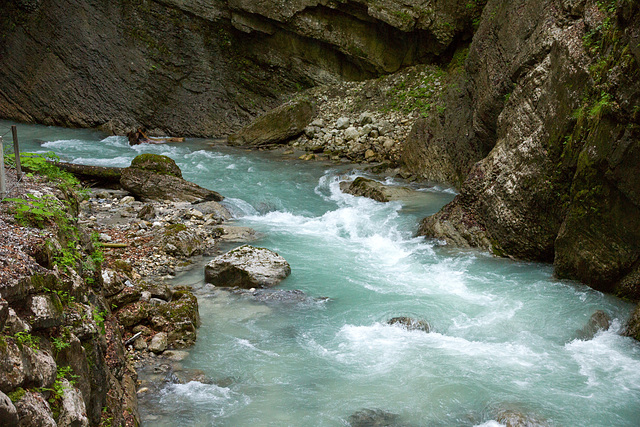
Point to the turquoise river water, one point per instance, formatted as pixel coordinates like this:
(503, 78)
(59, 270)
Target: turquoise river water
(504, 332)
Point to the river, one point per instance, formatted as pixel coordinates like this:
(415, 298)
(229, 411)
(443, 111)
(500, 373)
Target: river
(503, 332)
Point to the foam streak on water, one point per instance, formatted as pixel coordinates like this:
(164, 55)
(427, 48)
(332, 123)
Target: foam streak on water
(503, 332)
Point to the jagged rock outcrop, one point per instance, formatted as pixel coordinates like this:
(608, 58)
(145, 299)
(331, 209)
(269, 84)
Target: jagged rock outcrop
(157, 177)
(551, 98)
(247, 267)
(189, 67)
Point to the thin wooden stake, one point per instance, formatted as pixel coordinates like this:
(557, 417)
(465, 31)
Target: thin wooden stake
(3, 184)
(16, 150)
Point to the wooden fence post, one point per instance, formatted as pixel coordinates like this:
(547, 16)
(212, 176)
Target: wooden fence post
(16, 150)
(3, 184)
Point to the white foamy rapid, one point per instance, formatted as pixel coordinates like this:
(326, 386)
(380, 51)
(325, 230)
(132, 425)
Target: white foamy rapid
(503, 333)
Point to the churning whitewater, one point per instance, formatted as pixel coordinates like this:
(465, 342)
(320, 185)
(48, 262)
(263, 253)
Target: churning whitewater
(504, 334)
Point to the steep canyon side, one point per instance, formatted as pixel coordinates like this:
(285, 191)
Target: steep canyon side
(552, 91)
(202, 68)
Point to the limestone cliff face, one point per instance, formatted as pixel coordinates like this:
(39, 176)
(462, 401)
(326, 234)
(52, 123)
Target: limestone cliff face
(552, 94)
(200, 68)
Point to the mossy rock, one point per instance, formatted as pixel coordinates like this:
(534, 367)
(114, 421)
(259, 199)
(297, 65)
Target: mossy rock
(276, 126)
(157, 163)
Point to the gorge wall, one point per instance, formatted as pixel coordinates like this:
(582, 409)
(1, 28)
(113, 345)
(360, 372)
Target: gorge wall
(552, 94)
(201, 68)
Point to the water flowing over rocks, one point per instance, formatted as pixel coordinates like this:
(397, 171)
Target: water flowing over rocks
(247, 267)
(374, 418)
(599, 321)
(64, 325)
(375, 190)
(410, 324)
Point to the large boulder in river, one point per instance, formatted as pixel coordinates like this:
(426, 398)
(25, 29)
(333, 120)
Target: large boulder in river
(375, 190)
(156, 177)
(276, 126)
(247, 267)
(599, 321)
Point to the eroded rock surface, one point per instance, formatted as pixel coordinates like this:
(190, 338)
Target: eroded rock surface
(247, 267)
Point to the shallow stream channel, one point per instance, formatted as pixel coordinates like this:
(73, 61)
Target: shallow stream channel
(504, 333)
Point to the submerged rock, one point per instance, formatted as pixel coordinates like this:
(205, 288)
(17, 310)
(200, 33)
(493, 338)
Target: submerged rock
(281, 296)
(632, 328)
(276, 126)
(247, 267)
(375, 190)
(373, 418)
(599, 321)
(410, 324)
(515, 418)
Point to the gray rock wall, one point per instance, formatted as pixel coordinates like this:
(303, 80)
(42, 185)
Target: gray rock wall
(201, 68)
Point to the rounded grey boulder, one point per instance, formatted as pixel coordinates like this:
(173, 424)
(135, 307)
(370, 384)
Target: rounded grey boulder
(247, 267)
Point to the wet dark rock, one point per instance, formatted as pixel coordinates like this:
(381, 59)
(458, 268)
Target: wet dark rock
(375, 190)
(279, 296)
(4, 312)
(247, 267)
(599, 321)
(410, 324)
(373, 418)
(632, 328)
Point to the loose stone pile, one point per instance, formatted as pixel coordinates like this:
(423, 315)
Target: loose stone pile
(368, 121)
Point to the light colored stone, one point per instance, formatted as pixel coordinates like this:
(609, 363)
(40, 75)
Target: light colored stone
(45, 311)
(351, 133)
(343, 123)
(73, 412)
(365, 118)
(127, 200)
(247, 267)
(158, 342)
